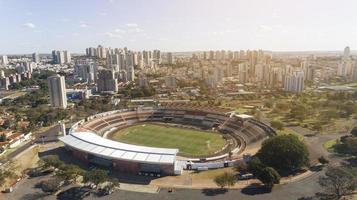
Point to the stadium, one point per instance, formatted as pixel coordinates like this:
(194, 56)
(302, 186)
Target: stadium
(164, 140)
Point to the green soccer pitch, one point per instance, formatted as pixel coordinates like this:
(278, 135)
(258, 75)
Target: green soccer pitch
(189, 142)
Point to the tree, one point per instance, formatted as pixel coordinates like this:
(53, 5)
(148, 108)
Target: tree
(298, 111)
(7, 124)
(114, 183)
(225, 179)
(323, 160)
(284, 153)
(95, 176)
(255, 166)
(338, 182)
(351, 145)
(269, 176)
(3, 137)
(51, 185)
(354, 132)
(277, 124)
(52, 161)
(69, 173)
(4, 174)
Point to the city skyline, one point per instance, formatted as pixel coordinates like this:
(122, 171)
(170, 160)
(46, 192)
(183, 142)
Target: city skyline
(177, 26)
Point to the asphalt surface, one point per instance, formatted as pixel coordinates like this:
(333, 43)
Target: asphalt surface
(308, 186)
(315, 144)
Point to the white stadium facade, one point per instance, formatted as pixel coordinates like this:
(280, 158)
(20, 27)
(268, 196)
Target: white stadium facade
(87, 140)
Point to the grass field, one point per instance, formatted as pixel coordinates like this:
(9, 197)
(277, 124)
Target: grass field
(190, 142)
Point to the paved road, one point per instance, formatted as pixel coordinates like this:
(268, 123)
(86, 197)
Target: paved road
(305, 187)
(48, 136)
(315, 143)
(293, 191)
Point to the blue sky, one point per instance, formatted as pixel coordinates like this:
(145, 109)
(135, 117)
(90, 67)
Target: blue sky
(177, 25)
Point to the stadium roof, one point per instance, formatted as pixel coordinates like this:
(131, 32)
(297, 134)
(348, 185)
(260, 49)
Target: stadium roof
(94, 144)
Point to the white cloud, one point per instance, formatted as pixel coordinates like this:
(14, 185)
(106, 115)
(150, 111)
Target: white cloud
(59, 36)
(118, 30)
(103, 13)
(29, 25)
(222, 32)
(135, 30)
(83, 25)
(131, 25)
(265, 28)
(64, 20)
(75, 34)
(112, 35)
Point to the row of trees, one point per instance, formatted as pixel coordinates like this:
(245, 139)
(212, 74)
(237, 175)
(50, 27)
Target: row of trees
(278, 155)
(67, 174)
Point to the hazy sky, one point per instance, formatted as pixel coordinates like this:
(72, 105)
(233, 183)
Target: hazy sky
(177, 25)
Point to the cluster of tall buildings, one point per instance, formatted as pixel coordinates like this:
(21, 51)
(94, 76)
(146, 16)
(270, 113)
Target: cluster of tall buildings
(231, 55)
(61, 57)
(124, 57)
(347, 68)
(86, 71)
(25, 67)
(119, 66)
(6, 81)
(255, 67)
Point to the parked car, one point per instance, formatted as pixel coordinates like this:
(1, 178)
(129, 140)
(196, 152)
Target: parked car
(245, 176)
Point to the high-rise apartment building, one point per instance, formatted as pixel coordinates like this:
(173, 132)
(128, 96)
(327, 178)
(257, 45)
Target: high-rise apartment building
(294, 82)
(35, 58)
(61, 57)
(57, 90)
(3, 60)
(106, 81)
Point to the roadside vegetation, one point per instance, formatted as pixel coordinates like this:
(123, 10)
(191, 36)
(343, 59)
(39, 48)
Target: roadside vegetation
(61, 174)
(279, 156)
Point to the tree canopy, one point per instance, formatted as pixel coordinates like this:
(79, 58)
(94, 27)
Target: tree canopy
(95, 176)
(69, 173)
(354, 132)
(269, 176)
(338, 182)
(284, 153)
(277, 124)
(51, 161)
(225, 179)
